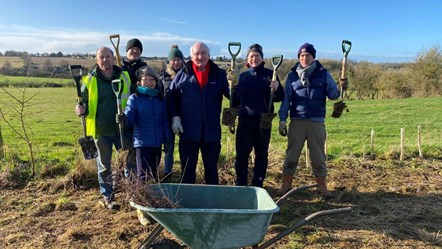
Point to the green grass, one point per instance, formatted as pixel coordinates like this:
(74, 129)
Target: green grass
(21, 81)
(55, 128)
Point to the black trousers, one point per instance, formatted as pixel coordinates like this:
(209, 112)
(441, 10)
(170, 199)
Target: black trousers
(189, 158)
(250, 135)
(148, 159)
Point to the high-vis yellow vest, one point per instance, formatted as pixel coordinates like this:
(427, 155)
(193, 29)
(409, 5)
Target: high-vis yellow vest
(90, 82)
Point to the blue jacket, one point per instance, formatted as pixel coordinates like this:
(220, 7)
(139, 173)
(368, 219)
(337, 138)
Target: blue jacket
(252, 94)
(308, 102)
(199, 109)
(148, 116)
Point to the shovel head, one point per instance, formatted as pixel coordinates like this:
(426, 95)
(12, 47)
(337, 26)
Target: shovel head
(338, 108)
(266, 120)
(229, 116)
(88, 147)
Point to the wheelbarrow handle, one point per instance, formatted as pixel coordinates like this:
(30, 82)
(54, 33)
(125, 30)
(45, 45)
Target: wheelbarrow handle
(303, 222)
(294, 190)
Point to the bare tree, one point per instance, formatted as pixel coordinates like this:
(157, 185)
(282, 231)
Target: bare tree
(17, 108)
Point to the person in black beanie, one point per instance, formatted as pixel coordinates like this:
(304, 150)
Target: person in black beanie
(307, 86)
(251, 95)
(133, 61)
(131, 64)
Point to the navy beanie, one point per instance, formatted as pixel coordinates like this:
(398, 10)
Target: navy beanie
(307, 48)
(255, 48)
(134, 43)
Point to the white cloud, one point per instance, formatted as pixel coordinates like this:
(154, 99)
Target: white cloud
(33, 40)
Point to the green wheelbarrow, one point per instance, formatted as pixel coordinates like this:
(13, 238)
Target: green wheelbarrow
(220, 216)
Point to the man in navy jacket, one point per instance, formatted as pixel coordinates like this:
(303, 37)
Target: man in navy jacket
(194, 100)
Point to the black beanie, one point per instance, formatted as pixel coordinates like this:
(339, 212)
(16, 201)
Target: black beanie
(255, 48)
(134, 43)
(307, 48)
(175, 52)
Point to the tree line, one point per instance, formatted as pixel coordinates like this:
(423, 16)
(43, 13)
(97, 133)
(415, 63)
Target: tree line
(420, 78)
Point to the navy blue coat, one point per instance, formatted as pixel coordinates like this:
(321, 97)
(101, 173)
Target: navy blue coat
(252, 95)
(199, 109)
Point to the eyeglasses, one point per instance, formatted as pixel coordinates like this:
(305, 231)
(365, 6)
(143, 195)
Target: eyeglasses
(148, 79)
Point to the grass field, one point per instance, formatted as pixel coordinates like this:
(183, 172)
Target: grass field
(55, 128)
(395, 204)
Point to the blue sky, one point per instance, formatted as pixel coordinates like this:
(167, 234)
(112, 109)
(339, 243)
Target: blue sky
(380, 30)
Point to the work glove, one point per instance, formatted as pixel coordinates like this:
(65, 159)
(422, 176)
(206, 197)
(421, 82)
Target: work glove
(120, 118)
(232, 77)
(282, 128)
(177, 128)
(343, 82)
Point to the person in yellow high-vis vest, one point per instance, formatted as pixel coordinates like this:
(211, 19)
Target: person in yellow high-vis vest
(100, 109)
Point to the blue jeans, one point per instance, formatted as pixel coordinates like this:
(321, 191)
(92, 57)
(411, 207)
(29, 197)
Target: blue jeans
(104, 146)
(169, 147)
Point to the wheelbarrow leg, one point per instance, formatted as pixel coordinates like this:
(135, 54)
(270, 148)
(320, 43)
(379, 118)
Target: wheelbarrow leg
(152, 236)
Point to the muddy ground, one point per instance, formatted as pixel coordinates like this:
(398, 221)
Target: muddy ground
(395, 205)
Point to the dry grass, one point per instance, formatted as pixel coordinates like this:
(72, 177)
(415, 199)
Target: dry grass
(395, 205)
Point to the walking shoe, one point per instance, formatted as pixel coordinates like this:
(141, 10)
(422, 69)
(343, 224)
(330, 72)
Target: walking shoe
(109, 203)
(142, 218)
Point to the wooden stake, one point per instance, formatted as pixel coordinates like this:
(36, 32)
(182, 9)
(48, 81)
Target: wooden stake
(419, 141)
(307, 155)
(402, 144)
(2, 153)
(372, 142)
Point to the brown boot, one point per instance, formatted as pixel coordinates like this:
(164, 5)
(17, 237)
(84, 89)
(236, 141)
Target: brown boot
(322, 187)
(286, 185)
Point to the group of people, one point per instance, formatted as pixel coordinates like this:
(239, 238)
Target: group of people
(185, 100)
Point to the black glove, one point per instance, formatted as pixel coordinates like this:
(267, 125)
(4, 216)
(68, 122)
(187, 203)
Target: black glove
(120, 118)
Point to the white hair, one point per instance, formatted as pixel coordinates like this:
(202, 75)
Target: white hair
(203, 45)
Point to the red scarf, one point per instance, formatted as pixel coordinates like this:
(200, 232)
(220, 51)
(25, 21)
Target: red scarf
(202, 76)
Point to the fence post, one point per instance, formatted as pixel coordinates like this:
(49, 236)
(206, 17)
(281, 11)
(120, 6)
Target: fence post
(419, 141)
(372, 142)
(307, 155)
(401, 158)
(2, 153)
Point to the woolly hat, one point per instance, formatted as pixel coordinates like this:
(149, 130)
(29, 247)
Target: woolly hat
(255, 48)
(175, 52)
(134, 43)
(307, 48)
(147, 70)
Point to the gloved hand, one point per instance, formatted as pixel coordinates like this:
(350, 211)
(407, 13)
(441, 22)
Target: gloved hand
(232, 77)
(120, 118)
(282, 128)
(343, 82)
(177, 128)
